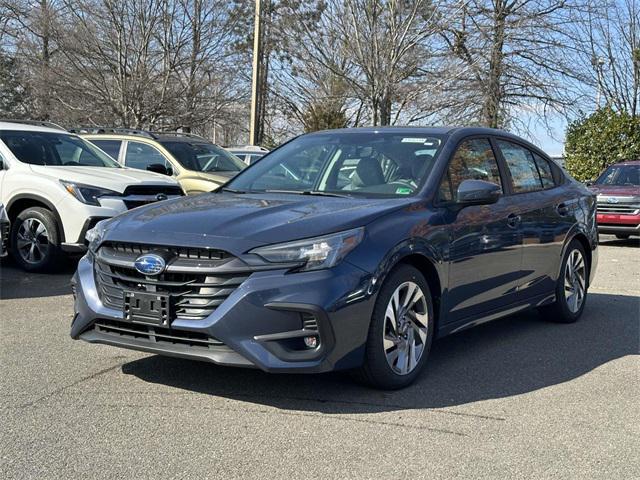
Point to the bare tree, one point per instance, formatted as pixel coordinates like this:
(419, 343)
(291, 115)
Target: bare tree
(375, 46)
(606, 35)
(505, 56)
(207, 77)
(32, 24)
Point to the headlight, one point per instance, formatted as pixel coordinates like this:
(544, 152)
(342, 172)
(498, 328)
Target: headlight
(316, 253)
(94, 236)
(86, 193)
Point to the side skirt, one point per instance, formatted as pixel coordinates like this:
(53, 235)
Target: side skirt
(469, 322)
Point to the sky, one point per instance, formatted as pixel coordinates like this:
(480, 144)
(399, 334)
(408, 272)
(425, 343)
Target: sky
(551, 142)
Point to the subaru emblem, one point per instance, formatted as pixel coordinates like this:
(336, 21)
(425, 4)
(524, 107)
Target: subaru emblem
(150, 264)
(161, 196)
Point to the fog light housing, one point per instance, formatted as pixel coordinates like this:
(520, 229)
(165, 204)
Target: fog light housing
(311, 342)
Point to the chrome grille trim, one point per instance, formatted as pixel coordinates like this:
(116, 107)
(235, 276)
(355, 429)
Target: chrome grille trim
(618, 209)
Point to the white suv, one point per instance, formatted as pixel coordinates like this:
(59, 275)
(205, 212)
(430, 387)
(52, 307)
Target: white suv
(56, 186)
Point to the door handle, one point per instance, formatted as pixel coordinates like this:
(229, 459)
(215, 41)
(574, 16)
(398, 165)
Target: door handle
(562, 209)
(513, 220)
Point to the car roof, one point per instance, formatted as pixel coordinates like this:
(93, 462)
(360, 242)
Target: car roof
(247, 148)
(157, 137)
(24, 127)
(247, 152)
(626, 162)
(410, 130)
(452, 131)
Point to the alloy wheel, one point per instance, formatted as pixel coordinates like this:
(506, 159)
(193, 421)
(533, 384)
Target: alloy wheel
(575, 281)
(406, 325)
(32, 241)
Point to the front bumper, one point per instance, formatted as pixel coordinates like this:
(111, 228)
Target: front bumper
(620, 224)
(261, 324)
(4, 237)
(77, 217)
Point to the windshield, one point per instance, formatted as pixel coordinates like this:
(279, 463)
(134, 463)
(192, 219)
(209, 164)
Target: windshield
(55, 149)
(204, 157)
(367, 164)
(620, 175)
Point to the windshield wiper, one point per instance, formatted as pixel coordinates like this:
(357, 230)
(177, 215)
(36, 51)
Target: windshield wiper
(325, 194)
(309, 192)
(231, 190)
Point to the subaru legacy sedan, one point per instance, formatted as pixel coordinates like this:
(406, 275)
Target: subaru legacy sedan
(344, 249)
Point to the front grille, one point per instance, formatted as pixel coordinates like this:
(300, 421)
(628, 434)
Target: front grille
(133, 250)
(618, 209)
(156, 334)
(131, 204)
(138, 195)
(153, 190)
(196, 280)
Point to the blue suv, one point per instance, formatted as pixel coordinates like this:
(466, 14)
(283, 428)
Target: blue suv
(344, 249)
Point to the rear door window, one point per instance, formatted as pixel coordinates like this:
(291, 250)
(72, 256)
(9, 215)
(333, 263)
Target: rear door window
(112, 147)
(522, 166)
(546, 173)
(141, 156)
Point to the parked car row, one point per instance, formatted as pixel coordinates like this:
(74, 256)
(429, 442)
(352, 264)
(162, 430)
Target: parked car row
(56, 184)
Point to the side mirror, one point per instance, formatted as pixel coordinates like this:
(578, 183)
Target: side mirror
(1, 163)
(478, 192)
(158, 168)
(589, 183)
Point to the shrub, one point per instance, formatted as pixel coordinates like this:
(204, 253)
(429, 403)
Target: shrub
(599, 140)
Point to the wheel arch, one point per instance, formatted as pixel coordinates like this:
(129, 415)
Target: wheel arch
(425, 258)
(584, 241)
(21, 202)
(427, 267)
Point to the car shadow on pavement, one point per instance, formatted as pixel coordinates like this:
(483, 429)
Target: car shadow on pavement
(507, 357)
(16, 283)
(611, 241)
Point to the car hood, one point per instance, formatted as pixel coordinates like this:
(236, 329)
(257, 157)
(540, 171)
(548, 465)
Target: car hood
(239, 222)
(616, 190)
(116, 179)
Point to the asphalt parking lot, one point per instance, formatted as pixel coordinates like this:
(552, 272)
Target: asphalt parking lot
(515, 398)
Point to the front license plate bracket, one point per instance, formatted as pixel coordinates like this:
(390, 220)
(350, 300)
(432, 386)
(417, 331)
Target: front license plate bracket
(147, 307)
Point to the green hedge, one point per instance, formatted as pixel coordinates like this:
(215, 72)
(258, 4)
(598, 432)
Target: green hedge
(595, 142)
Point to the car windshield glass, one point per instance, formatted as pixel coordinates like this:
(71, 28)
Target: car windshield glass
(204, 157)
(349, 163)
(620, 175)
(55, 149)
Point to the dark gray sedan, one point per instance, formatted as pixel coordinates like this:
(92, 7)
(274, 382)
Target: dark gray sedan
(345, 249)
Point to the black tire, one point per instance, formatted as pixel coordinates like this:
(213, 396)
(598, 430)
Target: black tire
(49, 257)
(622, 236)
(376, 370)
(560, 311)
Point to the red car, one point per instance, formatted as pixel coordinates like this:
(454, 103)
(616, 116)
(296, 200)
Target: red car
(618, 189)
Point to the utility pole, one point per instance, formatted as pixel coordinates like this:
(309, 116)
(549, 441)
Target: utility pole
(598, 63)
(255, 78)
